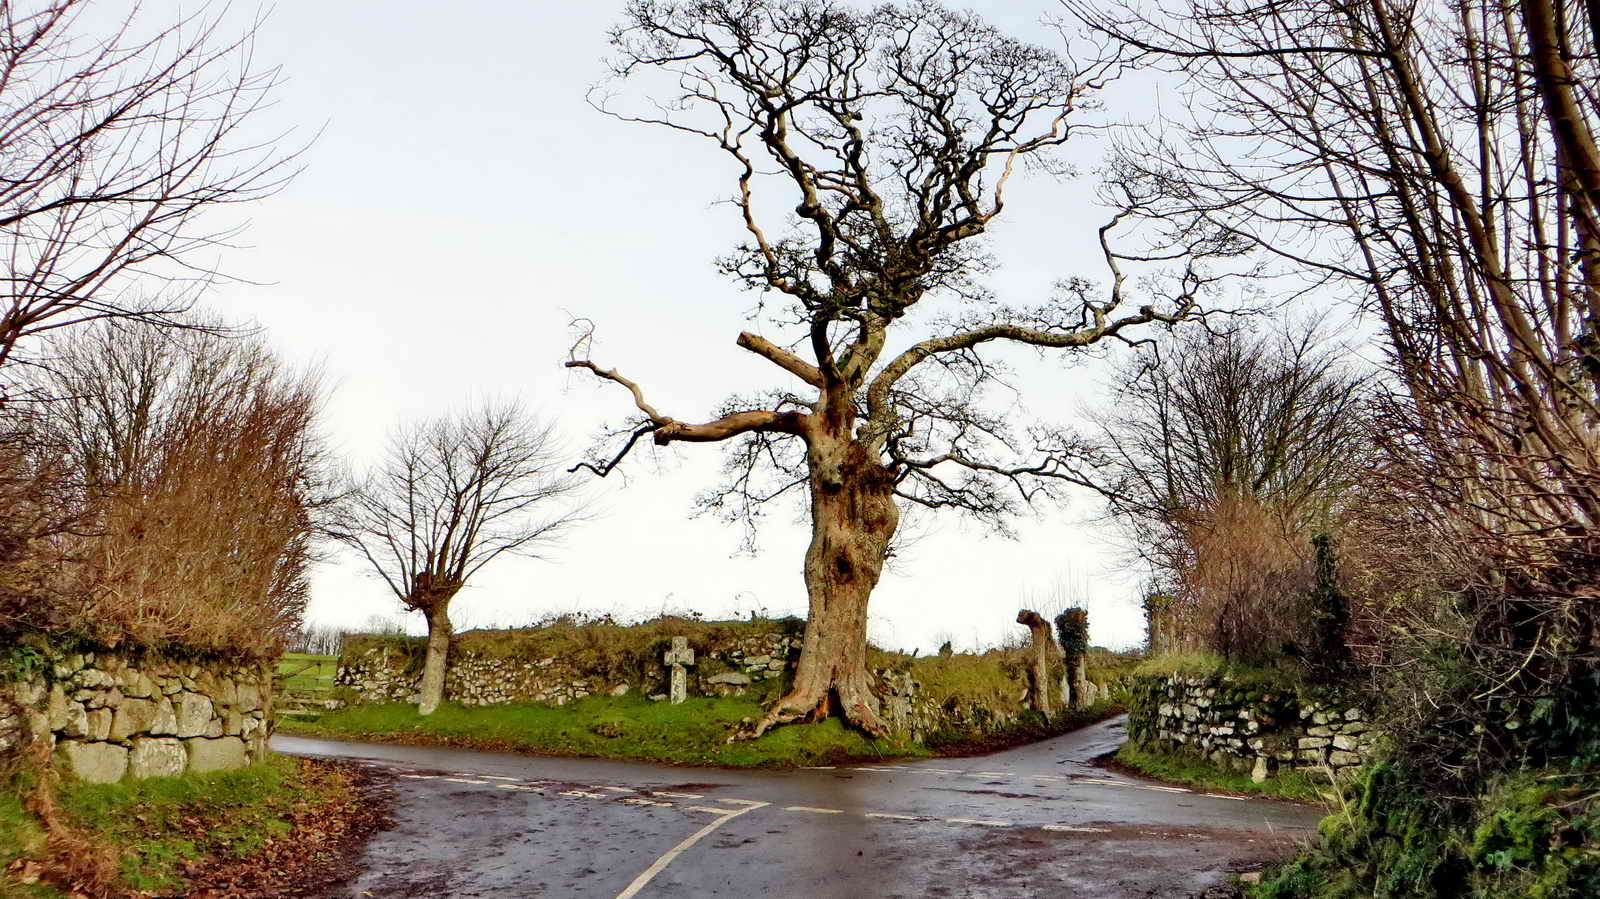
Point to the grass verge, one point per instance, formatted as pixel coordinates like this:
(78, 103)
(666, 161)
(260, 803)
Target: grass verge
(1293, 785)
(626, 727)
(170, 834)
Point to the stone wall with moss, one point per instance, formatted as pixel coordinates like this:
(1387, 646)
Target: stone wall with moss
(1248, 725)
(727, 662)
(105, 715)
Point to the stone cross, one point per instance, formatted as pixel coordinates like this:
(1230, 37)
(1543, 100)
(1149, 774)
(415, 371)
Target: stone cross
(679, 656)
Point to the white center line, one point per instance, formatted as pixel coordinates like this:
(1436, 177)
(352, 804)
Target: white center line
(464, 780)
(749, 802)
(496, 777)
(679, 795)
(1164, 789)
(894, 817)
(1070, 828)
(992, 774)
(1220, 796)
(661, 863)
(815, 811)
(580, 794)
(518, 787)
(979, 821)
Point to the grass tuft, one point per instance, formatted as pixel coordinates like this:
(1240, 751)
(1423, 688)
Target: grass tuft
(1294, 785)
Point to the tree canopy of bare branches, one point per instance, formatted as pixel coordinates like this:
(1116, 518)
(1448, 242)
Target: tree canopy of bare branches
(451, 495)
(1439, 160)
(116, 144)
(869, 152)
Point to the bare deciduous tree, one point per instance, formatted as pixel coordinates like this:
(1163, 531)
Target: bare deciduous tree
(1222, 453)
(893, 135)
(1441, 160)
(450, 496)
(116, 144)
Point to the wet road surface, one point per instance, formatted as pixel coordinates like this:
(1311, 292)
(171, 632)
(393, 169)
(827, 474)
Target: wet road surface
(1041, 820)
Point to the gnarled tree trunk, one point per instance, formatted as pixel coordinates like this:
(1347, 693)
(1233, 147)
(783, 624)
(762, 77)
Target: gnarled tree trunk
(853, 517)
(433, 668)
(1041, 650)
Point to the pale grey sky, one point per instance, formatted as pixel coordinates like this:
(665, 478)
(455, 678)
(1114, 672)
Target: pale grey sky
(464, 201)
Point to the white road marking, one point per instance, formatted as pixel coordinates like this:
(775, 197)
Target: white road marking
(1220, 796)
(816, 768)
(815, 811)
(465, 780)
(634, 800)
(937, 770)
(992, 774)
(497, 777)
(678, 795)
(661, 863)
(706, 808)
(421, 776)
(580, 794)
(1072, 828)
(895, 817)
(979, 821)
(1104, 782)
(879, 770)
(518, 787)
(749, 802)
(1163, 789)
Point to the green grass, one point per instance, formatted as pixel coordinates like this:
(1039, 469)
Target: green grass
(21, 836)
(162, 823)
(159, 826)
(1197, 773)
(1202, 664)
(627, 727)
(304, 673)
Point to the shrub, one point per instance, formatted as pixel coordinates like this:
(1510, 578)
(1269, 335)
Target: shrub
(197, 470)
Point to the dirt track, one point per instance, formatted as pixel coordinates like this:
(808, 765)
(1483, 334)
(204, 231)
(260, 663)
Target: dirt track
(1041, 820)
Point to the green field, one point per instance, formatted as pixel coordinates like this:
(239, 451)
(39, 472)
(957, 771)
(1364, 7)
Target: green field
(299, 672)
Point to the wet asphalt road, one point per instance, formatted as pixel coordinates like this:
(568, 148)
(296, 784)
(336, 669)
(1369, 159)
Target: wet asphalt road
(1041, 820)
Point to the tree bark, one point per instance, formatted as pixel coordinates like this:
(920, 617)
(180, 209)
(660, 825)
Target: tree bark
(853, 517)
(439, 633)
(1078, 682)
(1041, 650)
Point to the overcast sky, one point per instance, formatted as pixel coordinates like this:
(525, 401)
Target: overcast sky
(463, 202)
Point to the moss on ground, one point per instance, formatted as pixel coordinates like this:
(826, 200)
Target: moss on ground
(1530, 834)
(1198, 773)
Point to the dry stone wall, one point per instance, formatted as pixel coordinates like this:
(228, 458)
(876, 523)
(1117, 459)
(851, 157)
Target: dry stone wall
(104, 716)
(391, 672)
(1247, 727)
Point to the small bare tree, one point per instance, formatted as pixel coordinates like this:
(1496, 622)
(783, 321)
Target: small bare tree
(450, 496)
(116, 143)
(892, 134)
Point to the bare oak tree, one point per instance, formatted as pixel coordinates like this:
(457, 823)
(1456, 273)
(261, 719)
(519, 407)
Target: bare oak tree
(450, 496)
(116, 143)
(893, 135)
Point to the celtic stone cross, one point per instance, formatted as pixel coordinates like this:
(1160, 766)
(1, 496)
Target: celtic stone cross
(679, 656)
